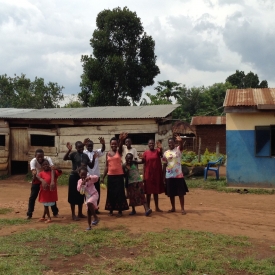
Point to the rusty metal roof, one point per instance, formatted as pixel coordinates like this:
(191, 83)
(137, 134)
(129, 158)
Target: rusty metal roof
(182, 127)
(262, 98)
(110, 112)
(208, 120)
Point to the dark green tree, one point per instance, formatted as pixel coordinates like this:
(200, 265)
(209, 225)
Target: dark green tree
(21, 92)
(123, 60)
(243, 81)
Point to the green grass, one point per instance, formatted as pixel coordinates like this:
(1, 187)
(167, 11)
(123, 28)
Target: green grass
(106, 251)
(9, 222)
(220, 185)
(5, 210)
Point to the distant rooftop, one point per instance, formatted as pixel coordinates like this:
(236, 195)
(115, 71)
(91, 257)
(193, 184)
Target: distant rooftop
(109, 112)
(208, 120)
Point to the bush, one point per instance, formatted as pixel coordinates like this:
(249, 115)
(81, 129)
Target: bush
(190, 158)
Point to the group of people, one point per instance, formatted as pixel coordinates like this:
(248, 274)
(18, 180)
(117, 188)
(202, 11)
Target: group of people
(161, 173)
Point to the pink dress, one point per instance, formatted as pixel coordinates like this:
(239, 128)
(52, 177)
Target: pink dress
(153, 179)
(91, 193)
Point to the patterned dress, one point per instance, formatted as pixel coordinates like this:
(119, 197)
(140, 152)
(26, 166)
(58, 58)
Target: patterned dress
(175, 183)
(135, 186)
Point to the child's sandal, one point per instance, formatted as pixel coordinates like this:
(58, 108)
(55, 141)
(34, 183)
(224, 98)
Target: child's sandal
(42, 220)
(48, 221)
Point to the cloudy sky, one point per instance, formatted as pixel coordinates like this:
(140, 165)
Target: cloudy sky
(198, 42)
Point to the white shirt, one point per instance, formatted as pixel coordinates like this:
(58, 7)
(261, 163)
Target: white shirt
(125, 151)
(95, 170)
(34, 164)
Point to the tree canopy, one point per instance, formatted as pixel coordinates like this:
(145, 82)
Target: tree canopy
(123, 60)
(21, 92)
(243, 81)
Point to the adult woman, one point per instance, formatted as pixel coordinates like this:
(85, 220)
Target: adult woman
(78, 159)
(152, 172)
(172, 173)
(116, 199)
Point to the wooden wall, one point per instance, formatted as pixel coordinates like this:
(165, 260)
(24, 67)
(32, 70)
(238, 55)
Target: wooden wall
(4, 150)
(92, 130)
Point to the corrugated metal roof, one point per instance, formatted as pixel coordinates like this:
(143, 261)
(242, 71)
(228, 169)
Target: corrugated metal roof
(249, 97)
(208, 120)
(110, 112)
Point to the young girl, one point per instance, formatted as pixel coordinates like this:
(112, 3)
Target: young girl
(86, 185)
(48, 196)
(135, 185)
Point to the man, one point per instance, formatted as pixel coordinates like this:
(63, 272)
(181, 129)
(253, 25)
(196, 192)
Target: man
(95, 171)
(36, 168)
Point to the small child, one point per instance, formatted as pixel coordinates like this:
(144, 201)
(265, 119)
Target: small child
(135, 185)
(48, 196)
(86, 185)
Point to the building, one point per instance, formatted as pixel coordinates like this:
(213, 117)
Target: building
(211, 130)
(250, 137)
(22, 131)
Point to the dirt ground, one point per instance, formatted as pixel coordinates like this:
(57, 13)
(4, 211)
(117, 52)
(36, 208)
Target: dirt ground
(226, 213)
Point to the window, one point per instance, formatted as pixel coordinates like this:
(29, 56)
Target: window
(140, 139)
(42, 140)
(2, 140)
(265, 141)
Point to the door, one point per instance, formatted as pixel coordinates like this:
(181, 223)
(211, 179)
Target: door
(19, 144)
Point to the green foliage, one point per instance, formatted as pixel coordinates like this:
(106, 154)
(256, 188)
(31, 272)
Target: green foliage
(243, 81)
(200, 101)
(190, 158)
(123, 60)
(21, 92)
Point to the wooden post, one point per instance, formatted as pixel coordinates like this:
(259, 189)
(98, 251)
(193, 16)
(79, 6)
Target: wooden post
(217, 149)
(199, 150)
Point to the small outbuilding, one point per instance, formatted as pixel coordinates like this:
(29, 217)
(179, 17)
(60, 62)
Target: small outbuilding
(22, 131)
(210, 131)
(250, 137)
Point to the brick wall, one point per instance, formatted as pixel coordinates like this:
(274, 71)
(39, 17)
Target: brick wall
(210, 135)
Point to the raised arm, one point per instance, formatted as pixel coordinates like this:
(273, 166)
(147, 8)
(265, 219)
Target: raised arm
(159, 147)
(180, 141)
(121, 139)
(69, 146)
(105, 169)
(102, 141)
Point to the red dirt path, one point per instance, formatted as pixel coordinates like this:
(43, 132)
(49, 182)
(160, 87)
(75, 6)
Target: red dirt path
(226, 213)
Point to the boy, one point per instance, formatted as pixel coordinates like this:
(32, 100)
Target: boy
(36, 168)
(127, 148)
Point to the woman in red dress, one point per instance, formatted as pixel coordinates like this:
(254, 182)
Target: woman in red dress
(152, 172)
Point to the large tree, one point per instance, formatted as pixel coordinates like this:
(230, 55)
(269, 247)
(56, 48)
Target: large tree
(243, 81)
(123, 60)
(21, 92)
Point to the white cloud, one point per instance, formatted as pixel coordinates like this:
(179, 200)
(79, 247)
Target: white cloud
(197, 42)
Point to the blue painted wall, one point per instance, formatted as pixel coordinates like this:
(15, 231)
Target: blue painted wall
(243, 168)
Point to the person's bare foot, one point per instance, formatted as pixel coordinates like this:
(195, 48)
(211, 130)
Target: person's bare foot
(171, 210)
(81, 216)
(183, 212)
(158, 210)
